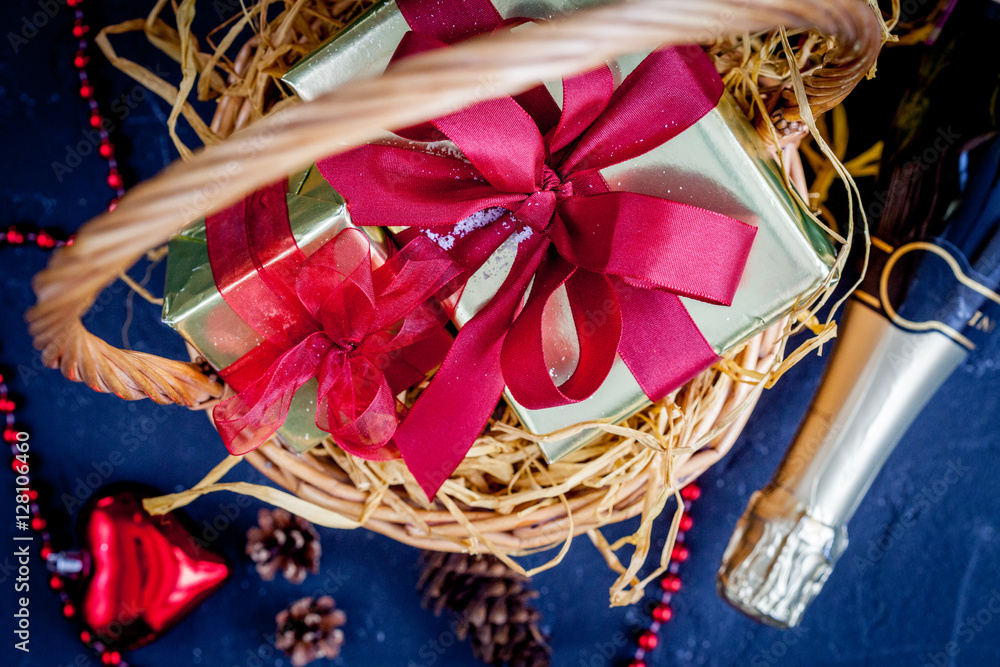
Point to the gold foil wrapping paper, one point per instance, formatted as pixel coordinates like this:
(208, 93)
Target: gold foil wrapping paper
(193, 306)
(720, 164)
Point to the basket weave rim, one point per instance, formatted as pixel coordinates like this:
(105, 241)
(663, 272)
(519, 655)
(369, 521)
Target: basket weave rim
(422, 87)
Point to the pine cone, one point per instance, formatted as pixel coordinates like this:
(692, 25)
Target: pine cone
(492, 605)
(310, 629)
(283, 542)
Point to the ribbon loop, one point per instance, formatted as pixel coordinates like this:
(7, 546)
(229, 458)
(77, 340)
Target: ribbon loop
(585, 97)
(476, 131)
(597, 323)
(248, 419)
(603, 231)
(667, 93)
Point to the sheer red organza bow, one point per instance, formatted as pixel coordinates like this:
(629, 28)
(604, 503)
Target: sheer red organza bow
(364, 334)
(622, 257)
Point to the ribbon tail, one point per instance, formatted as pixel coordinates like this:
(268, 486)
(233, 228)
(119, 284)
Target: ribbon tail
(441, 426)
(415, 361)
(254, 258)
(660, 344)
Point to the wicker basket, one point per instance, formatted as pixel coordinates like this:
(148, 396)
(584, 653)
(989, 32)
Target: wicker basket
(503, 498)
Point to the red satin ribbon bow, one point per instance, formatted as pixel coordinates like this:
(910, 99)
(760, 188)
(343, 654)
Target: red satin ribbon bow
(365, 335)
(623, 257)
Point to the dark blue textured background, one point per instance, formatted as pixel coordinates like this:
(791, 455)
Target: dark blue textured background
(901, 606)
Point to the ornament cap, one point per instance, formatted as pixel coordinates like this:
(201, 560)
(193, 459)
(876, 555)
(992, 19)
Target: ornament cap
(69, 564)
(778, 558)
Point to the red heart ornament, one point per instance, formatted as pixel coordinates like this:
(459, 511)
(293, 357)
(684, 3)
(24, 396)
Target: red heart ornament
(146, 572)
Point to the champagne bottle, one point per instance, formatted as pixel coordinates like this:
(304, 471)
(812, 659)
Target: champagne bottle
(929, 300)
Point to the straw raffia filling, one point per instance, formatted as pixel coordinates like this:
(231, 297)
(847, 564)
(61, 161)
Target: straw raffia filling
(504, 498)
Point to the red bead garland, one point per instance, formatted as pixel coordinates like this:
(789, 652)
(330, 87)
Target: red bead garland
(691, 492)
(662, 612)
(21, 235)
(671, 583)
(17, 235)
(40, 525)
(97, 121)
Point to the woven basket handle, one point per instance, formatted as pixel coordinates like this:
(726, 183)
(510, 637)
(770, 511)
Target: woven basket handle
(415, 90)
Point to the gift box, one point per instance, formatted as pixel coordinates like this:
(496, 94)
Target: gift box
(719, 164)
(195, 308)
